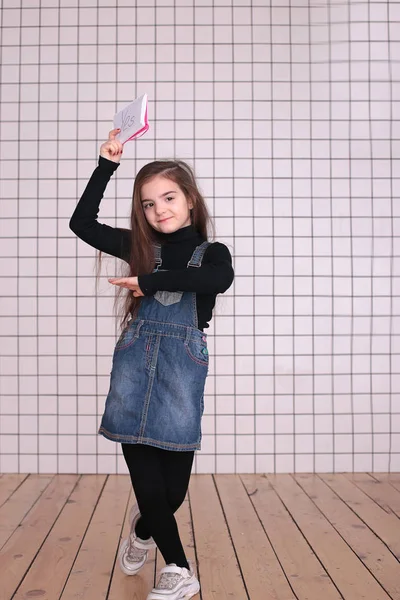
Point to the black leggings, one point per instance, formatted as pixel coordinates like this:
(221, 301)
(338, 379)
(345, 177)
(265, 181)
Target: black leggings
(160, 479)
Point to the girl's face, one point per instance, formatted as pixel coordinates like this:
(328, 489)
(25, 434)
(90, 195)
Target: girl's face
(165, 205)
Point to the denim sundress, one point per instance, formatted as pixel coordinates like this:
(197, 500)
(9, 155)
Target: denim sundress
(159, 370)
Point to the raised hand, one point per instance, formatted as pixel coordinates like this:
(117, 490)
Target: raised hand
(112, 148)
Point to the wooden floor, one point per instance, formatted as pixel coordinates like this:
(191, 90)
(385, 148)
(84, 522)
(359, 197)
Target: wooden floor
(282, 537)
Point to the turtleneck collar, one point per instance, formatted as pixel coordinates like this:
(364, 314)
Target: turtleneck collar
(184, 233)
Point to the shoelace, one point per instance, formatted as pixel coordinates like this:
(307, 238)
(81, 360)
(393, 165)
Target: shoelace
(168, 581)
(134, 554)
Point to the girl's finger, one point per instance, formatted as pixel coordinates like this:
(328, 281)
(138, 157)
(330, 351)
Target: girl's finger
(113, 133)
(116, 148)
(123, 279)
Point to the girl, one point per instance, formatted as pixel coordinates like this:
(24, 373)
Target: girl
(160, 363)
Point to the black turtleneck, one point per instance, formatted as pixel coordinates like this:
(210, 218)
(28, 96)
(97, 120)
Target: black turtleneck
(214, 276)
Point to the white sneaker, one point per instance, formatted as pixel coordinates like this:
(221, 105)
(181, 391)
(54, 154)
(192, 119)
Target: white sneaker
(133, 552)
(175, 583)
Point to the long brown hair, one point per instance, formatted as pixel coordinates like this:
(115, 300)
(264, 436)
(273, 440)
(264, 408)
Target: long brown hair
(143, 236)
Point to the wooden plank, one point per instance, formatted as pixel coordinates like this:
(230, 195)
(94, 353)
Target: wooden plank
(9, 482)
(218, 569)
(262, 573)
(91, 573)
(387, 476)
(21, 548)
(135, 587)
(20, 503)
(380, 492)
(384, 525)
(38, 519)
(369, 549)
(350, 576)
(392, 478)
(306, 576)
(49, 571)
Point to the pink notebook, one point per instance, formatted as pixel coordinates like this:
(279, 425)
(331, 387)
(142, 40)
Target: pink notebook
(132, 120)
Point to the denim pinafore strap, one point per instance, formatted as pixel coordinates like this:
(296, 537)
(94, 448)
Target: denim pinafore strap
(177, 307)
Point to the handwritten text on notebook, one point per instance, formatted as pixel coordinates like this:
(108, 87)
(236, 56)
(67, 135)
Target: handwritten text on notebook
(132, 120)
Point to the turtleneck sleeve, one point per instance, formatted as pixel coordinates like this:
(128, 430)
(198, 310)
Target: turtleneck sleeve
(214, 276)
(83, 222)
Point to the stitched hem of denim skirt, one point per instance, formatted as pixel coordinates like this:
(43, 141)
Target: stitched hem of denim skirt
(132, 439)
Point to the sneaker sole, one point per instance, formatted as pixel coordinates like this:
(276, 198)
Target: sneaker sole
(192, 591)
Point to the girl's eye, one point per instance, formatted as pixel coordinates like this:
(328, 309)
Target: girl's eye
(151, 203)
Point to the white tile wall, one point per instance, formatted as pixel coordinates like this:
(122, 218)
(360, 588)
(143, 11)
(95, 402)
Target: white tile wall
(289, 114)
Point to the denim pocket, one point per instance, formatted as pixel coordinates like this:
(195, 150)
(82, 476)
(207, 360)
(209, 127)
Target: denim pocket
(197, 350)
(127, 338)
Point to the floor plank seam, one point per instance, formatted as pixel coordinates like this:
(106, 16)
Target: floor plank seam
(118, 545)
(194, 542)
(363, 521)
(28, 511)
(49, 531)
(267, 536)
(346, 542)
(388, 512)
(16, 489)
(83, 537)
(230, 537)
(307, 541)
